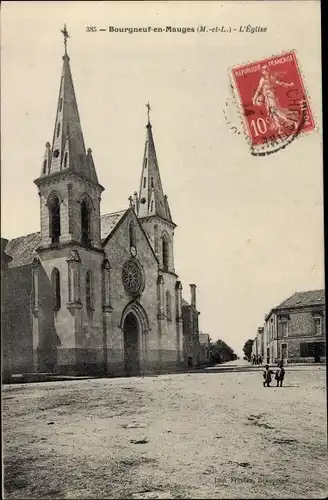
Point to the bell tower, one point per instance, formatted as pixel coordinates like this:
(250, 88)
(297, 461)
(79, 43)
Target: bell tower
(152, 205)
(68, 185)
(70, 253)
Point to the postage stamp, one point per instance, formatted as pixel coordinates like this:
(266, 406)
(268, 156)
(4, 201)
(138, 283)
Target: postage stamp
(272, 102)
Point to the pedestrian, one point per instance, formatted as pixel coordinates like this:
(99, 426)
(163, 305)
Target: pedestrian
(267, 376)
(280, 374)
(253, 359)
(260, 360)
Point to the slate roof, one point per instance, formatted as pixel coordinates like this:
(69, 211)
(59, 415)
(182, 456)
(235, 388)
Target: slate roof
(109, 222)
(300, 299)
(22, 250)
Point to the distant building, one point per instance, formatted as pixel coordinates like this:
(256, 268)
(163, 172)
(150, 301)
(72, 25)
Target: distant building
(191, 347)
(259, 347)
(204, 348)
(295, 329)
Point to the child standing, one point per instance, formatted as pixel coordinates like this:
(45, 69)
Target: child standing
(267, 376)
(280, 374)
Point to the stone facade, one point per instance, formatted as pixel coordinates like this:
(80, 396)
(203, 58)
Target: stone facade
(191, 346)
(204, 344)
(296, 329)
(259, 344)
(94, 293)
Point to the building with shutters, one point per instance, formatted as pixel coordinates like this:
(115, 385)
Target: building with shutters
(295, 330)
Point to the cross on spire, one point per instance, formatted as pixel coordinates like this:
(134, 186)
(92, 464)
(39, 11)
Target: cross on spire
(148, 110)
(66, 35)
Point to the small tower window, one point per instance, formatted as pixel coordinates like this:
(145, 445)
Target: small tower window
(132, 235)
(168, 305)
(85, 223)
(58, 129)
(88, 291)
(55, 281)
(45, 166)
(152, 182)
(144, 183)
(60, 104)
(54, 213)
(152, 206)
(56, 153)
(65, 160)
(165, 252)
(145, 162)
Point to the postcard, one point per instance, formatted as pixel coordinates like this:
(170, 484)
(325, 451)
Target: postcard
(162, 250)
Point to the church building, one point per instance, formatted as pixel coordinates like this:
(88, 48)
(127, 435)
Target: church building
(92, 293)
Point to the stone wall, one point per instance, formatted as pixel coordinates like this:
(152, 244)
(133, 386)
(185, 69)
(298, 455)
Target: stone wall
(16, 322)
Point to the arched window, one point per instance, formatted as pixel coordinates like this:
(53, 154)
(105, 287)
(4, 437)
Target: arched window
(152, 205)
(152, 182)
(45, 166)
(168, 305)
(54, 215)
(55, 281)
(165, 251)
(85, 223)
(144, 182)
(132, 235)
(65, 160)
(60, 104)
(58, 129)
(88, 291)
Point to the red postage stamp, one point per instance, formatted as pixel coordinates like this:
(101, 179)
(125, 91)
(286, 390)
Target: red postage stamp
(272, 101)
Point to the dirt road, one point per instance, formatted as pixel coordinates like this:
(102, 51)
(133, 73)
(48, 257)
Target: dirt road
(215, 435)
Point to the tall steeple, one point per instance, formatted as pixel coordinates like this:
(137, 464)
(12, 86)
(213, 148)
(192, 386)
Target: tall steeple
(152, 200)
(67, 151)
(69, 190)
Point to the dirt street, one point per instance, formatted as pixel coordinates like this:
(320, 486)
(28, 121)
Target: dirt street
(215, 435)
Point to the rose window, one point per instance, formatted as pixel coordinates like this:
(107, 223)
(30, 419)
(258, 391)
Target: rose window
(132, 277)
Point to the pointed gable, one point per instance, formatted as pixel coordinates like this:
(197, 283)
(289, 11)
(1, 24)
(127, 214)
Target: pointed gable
(109, 223)
(151, 196)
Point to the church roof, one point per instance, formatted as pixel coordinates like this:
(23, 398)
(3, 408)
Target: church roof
(152, 200)
(185, 303)
(109, 222)
(22, 250)
(300, 299)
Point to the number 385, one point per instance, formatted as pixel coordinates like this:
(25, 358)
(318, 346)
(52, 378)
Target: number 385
(90, 28)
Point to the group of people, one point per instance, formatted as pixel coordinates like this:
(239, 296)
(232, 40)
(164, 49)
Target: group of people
(257, 360)
(279, 375)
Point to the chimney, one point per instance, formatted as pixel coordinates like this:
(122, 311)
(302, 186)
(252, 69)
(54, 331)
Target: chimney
(193, 295)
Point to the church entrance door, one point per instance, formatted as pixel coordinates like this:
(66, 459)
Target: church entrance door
(131, 345)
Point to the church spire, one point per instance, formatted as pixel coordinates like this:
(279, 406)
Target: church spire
(68, 149)
(151, 196)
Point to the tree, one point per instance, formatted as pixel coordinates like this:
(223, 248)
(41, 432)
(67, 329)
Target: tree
(248, 349)
(220, 352)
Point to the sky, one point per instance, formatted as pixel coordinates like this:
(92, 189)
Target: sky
(249, 230)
